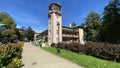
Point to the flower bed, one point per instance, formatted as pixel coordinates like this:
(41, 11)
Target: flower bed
(10, 55)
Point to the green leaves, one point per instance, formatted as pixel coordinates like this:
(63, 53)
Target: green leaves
(6, 55)
(8, 52)
(107, 29)
(73, 24)
(9, 33)
(7, 20)
(92, 26)
(111, 22)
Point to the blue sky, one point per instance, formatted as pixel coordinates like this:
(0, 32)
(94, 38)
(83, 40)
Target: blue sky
(34, 12)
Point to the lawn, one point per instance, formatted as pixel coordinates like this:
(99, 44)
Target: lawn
(83, 60)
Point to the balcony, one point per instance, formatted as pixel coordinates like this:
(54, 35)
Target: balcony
(75, 36)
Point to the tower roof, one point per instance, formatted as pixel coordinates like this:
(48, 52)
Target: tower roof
(56, 3)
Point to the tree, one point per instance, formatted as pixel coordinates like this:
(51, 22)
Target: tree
(22, 33)
(92, 26)
(11, 31)
(111, 22)
(82, 24)
(10, 34)
(26, 34)
(6, 19)
(73, 24)
(30, 33)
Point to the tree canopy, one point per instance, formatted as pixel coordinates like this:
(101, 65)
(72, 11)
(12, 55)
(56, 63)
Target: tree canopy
(10, 32)
(30, 33)
(27, 33)
(6, 19)
(111, 22)
(92, 26)
(105, 29)
(73, 24)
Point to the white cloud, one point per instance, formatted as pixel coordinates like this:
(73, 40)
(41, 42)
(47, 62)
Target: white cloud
(38, 31)
(18, 26)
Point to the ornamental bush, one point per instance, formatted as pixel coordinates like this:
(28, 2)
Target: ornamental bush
(8, 52)
(109, 52)
(104, 51)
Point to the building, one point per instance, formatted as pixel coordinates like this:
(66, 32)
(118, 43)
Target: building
(54, 23)
(56, 32)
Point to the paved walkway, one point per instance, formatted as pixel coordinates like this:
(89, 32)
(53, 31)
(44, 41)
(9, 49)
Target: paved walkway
(34, 57)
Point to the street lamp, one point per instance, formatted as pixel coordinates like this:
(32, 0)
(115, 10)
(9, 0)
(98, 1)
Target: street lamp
(58, 46)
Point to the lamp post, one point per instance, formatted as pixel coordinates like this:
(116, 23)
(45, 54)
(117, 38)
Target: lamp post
(58, 46)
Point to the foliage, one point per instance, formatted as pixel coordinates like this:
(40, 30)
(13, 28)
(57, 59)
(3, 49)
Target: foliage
(6, 19)
(106, 51)
(92, 26)
(111, 21)
(15, 63)
(10, 52)
(53, 45)
(7, 53)
(76, 47)
(27, 33)
(10, 34)
(83, 60)
(70, 46)
(73, 24)
(30, 33)
(105, 29)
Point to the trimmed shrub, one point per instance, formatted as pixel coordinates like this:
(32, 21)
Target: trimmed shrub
(70, 46)
(86, 47)
(104, 51)
(53, 45)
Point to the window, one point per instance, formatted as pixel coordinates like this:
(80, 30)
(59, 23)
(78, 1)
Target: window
(58, 24)
(55, 7)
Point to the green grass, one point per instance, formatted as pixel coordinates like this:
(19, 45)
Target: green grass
(84, 60)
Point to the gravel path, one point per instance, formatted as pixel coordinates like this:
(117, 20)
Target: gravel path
(34, 57)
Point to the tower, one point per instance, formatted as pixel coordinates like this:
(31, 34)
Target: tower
(54, 23)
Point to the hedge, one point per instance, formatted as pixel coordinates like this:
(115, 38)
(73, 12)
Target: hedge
(104, 51)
